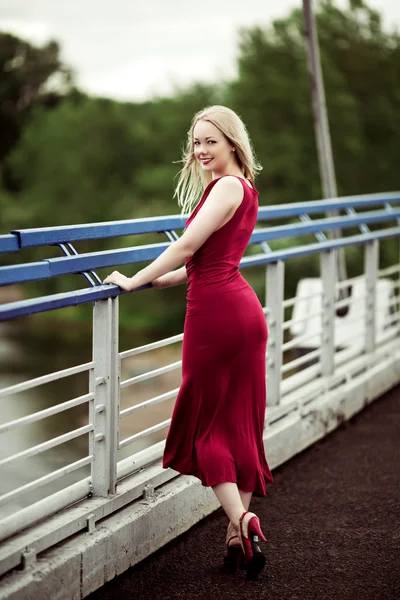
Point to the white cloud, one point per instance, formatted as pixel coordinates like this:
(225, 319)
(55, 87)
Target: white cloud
(38, 32)
(131, 50)
(154, 76)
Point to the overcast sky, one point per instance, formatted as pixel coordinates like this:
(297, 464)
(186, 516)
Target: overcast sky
(134, 49)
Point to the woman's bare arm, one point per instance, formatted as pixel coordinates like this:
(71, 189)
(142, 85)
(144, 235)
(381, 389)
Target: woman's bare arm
(171, 279)
(226, 195)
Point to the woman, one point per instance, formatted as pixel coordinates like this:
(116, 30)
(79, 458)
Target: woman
(216, 431)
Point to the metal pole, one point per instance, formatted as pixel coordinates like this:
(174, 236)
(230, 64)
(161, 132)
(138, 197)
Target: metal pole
(275, 296)
(321, 125)
(328, 261)
(104, 410)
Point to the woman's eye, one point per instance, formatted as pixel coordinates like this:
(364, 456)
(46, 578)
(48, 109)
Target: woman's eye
(211, 141)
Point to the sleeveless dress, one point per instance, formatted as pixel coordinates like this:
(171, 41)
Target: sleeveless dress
(216, 431)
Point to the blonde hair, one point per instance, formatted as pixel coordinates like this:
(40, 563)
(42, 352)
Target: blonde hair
(192, 179)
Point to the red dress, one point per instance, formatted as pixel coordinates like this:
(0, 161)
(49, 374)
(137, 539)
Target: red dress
(216, 431)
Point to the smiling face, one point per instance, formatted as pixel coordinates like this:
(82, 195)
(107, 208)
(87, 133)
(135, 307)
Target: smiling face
(212, 150)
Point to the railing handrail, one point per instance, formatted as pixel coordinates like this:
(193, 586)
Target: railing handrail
(43, 236)
(83, 263)
(63, 265)
(55, 301)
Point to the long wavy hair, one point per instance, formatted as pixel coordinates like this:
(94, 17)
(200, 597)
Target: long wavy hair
(192, 179)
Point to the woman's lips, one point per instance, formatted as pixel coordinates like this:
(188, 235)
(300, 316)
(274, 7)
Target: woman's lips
(205, 161)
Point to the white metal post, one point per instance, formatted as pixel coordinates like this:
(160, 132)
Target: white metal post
(104, 410)
(371, 258)
(328, 271)
(275, 297)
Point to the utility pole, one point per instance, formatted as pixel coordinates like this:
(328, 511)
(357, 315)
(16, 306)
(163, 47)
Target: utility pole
(321, 124)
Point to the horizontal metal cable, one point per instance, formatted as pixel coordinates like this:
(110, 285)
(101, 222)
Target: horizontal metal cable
(27, 385)
(47, 412)
(389, 270)
(299, 340)
(152, 346)
(348, 301)
(342, 284)
(291, 322)
(142, 434)
(147, 403)
(151, 374)
(33, 485)
(352, 337)
(295, 300)
(297, 362)
(61, 439)
(343, 303)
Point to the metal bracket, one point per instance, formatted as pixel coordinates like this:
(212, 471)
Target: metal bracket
(91, 523)
(172, 235)
(69, 250)
(265, 247)
(390, 208)
(363, 227)
(28, 557)
(148, 491)
(319, 235)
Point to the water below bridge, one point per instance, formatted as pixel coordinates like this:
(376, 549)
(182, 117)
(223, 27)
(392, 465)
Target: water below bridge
(332, 520)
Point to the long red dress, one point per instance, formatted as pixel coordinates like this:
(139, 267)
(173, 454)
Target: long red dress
(216, 431)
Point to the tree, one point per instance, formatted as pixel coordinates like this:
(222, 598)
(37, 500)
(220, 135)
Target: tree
(28, 77)
(361, 66)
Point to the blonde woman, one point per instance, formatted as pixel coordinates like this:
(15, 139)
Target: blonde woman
(216, 432)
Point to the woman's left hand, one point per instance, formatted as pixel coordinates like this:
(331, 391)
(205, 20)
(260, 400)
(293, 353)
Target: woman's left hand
(118, 279)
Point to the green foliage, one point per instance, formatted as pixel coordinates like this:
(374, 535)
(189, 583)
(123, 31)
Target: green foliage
(26, 72)
(90, 159)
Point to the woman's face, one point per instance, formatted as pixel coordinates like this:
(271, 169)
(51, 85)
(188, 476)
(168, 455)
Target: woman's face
(211, 148)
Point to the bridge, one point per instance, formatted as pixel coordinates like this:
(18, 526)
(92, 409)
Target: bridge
(333, 349)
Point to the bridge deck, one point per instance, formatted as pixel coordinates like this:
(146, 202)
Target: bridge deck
(332, 520)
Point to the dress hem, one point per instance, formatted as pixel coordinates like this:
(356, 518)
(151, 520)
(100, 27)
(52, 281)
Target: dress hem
(260, 492)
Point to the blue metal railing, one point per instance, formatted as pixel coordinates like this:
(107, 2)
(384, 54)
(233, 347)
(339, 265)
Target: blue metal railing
(87, 262)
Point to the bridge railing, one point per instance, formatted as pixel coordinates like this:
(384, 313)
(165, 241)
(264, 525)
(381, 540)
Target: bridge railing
(306, 347)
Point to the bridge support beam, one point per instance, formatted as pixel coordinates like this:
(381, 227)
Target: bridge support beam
(275, 304)
(328, 276)
(371, 275)
(104, 408)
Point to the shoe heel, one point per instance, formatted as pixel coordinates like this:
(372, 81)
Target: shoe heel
(254, 527)
(233, 561)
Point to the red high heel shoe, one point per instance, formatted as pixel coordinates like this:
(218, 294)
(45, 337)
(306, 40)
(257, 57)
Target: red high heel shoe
(254, 558)
(234, 557)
